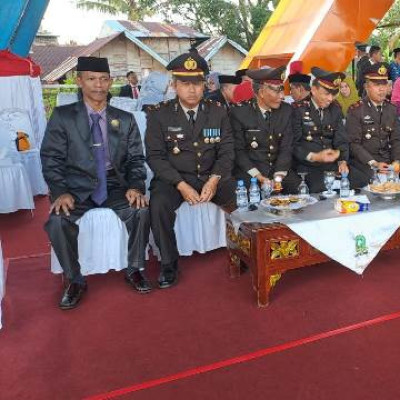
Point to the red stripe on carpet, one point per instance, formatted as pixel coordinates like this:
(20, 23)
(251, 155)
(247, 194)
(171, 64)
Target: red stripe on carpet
(244, 358)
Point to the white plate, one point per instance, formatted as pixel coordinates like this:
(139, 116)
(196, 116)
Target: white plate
(383, 195)
(304, 202)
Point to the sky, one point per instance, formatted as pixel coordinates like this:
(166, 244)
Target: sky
(62, 18)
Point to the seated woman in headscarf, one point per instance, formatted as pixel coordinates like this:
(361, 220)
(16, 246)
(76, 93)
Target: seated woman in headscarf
(348, 94)
(153, 90)
(396, 96)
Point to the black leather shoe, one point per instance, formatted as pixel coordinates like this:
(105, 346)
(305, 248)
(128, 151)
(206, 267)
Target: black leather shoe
(72, 295)
(168, 276)
(139, 281)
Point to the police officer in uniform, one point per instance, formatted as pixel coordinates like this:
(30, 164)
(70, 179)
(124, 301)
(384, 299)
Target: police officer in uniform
(320, 142)
(224, 94)
(263, 131)
(373, 129)
(189, 147)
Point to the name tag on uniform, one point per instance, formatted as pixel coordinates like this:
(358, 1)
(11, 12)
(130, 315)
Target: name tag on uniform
(174, 129)
(367, 120)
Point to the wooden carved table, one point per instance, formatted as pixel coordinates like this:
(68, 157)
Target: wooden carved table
(269, 250)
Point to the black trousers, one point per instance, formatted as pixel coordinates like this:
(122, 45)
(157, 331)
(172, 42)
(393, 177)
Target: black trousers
(165, 199)
(63, 230)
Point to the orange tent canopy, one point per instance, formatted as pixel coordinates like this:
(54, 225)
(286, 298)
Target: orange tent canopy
(320, 33)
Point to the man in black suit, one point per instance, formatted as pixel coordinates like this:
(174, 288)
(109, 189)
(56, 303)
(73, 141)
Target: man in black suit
(92, 157)
(132, 89)
(189, 147)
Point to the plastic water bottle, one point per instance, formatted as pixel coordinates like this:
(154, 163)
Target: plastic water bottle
(254, 192)
(242, 201)
(344, 185)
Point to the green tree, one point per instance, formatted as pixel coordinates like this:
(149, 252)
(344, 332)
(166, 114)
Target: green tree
(387, 34)
(135, 10)
(241, 20)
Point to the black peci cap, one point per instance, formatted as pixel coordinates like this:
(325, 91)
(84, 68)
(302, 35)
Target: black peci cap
(94, 64)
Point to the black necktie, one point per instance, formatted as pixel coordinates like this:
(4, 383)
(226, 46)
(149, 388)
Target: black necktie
(191, 117)
(379, 108)
(320, 113)
(267, 115)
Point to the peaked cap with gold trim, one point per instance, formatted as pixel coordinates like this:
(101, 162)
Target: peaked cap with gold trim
(268, 74)
(189, 66)
(377, 72)
(328, 80)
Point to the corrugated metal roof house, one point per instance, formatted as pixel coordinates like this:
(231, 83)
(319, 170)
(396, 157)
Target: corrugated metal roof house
(149, 46)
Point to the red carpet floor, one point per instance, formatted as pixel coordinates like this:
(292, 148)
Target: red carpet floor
(23, 235)
(117, 338)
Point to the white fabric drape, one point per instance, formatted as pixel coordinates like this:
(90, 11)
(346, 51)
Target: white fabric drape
(24, 92)
(13, 120)
(15, 189)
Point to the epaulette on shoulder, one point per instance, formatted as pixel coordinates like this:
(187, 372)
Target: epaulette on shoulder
(153, 107)
(241, 103)
(215, 102)
(356, 105)
(302, 103)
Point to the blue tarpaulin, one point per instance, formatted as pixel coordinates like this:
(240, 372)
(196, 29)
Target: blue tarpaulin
(19, 23)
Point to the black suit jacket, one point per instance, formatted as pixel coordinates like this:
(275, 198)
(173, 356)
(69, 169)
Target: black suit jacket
(67, 151)
(126, 91)
(197, 157)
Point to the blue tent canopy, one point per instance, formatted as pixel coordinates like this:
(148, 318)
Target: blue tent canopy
(19, 22)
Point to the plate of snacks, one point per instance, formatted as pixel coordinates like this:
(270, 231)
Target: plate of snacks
(386, 190)
(288, 203)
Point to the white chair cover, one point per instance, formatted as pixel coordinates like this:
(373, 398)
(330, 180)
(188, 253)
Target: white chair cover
(102, 243)
(66, 98)
(13, 120)
(15, 189)
(25, 93)
(124, 103)
(2, 280)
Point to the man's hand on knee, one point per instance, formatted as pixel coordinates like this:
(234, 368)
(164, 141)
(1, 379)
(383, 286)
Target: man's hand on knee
(188, 193)
(209, 190)
(136, 199)
(65, 202)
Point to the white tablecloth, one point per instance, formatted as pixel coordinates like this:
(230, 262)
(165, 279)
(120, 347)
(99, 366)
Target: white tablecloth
(334, 234)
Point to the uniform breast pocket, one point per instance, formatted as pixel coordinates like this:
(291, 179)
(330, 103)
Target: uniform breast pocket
(175, 141)
(254, 138)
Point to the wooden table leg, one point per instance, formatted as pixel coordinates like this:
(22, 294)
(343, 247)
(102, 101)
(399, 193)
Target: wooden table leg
(234, 265)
